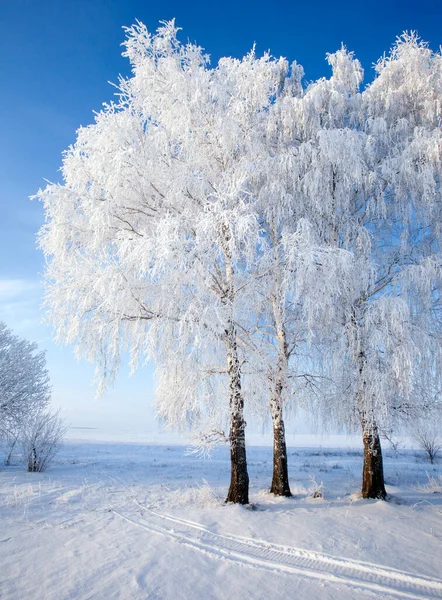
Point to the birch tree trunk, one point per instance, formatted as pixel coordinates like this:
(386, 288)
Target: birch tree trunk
(280, 481)
(239, 478)
(373, 471)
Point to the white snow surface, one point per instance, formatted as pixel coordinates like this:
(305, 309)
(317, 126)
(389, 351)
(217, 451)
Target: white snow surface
(116, 520)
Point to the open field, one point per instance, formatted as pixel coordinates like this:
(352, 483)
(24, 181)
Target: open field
(119, 520)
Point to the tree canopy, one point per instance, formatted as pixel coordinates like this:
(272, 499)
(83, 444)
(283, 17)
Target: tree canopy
(24, 380)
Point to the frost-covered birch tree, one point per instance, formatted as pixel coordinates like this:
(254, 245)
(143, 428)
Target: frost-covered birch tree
(24, 381)
(300, 273)
(151, 237)
(369, 166)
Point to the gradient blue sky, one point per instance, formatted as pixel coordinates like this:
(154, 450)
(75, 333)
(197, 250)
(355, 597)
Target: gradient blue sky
(57, 59)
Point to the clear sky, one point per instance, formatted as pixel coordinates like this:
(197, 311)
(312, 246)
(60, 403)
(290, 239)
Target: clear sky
(57, 57)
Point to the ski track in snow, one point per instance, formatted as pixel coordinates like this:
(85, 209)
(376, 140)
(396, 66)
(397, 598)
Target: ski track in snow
(265, 555)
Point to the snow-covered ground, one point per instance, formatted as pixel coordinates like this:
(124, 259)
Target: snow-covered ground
(133, 521)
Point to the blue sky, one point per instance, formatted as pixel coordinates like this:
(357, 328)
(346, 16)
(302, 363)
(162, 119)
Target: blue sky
(57, 59)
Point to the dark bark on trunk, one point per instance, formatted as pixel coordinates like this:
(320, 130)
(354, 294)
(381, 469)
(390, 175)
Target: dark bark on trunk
(280, 481)
(33, 463)
(373, 471)
(239, 477)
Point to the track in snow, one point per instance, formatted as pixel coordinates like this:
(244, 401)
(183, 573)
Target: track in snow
(264, 555)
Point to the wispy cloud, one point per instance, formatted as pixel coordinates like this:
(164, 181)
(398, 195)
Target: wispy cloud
(20, 301)
(15, 289)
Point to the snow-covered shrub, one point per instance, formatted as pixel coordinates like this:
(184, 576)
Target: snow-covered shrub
(317, 489)
(24, 386)
(434, 485)
(41, 437)
(429, 439)
(390, 435)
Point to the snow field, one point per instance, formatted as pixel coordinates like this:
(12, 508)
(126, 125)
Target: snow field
(118, 520)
